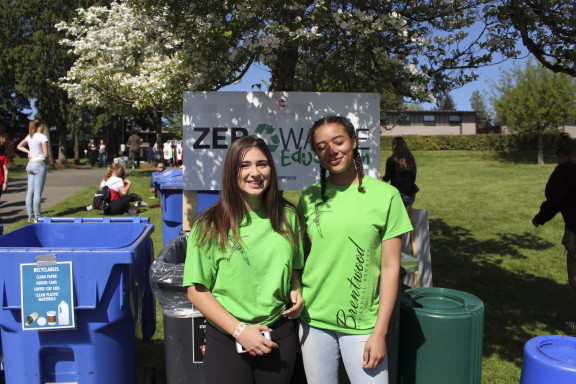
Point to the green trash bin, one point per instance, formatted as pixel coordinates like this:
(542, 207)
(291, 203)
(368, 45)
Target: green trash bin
(440, 337)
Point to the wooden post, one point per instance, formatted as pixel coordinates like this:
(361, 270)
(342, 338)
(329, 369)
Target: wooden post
(189, 209)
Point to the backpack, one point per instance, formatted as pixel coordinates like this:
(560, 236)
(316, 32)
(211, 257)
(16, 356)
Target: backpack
(102, 198)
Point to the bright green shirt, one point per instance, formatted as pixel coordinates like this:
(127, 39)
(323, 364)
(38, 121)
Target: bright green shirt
(251, 278)
(341, 278)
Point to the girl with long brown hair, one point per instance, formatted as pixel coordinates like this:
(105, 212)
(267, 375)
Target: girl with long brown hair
(242, 271)
(401, 171)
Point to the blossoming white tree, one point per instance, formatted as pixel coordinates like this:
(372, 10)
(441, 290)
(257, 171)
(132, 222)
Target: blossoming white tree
(404, 49)
(125, 58)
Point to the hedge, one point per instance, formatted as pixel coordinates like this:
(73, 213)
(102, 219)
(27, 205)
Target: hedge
(501, 143)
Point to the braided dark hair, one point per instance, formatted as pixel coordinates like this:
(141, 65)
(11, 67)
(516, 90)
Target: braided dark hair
(349, 128)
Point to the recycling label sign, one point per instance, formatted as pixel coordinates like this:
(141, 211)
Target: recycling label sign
(47, 296)
(214, 120)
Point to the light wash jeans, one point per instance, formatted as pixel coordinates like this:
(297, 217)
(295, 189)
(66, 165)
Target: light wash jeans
(321, 350)
(102, 159)
(36, 176)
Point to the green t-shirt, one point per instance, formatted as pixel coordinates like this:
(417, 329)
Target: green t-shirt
(251, 278)
(341, 278)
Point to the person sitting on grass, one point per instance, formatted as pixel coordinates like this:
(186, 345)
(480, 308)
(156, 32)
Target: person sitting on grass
(120, 198)
(561, 197)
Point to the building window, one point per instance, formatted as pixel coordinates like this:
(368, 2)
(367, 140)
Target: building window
(455, 119)
(429, 119)
(404, 120)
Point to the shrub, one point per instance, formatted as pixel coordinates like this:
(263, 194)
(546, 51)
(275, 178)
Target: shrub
(501, 143)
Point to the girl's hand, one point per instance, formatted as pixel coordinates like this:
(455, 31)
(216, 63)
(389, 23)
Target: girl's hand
(297, 305)
(374, 351)
(254, 342)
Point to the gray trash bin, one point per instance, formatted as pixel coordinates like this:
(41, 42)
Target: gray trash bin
(184, 325)
(123, 161)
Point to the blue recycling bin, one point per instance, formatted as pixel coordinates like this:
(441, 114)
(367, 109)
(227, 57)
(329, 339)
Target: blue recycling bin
(549, 359)
(164, 177)
(113, 304)
(171, 194)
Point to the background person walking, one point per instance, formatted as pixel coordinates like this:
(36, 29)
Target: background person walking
(561, 197)
(134, 142)
(37, 152)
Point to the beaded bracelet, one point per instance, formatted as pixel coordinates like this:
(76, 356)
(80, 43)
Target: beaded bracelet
(239, 330)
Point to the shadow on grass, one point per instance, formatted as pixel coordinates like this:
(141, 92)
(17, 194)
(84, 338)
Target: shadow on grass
(524, 157)
(517, 306)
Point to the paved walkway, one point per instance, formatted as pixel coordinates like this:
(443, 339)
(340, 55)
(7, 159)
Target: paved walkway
(59, 185)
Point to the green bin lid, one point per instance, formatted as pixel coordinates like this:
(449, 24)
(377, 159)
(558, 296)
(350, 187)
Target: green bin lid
(444, 301)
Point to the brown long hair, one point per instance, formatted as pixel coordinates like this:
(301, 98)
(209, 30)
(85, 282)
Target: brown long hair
(112, 168)
(34, 126)
(404, 159)
(349, 128)
(226, 215)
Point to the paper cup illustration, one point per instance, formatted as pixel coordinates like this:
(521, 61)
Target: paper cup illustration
(31, 317)
(51, 315)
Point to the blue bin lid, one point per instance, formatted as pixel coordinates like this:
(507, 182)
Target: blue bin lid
(556, 350)
(176, 182)
(162, 177)
(75, 233)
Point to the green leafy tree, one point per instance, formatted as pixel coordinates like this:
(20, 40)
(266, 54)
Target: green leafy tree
(479, 105)
(534, 100)
(445, 102)
(404, 50)
(37, 60)
(546, 28)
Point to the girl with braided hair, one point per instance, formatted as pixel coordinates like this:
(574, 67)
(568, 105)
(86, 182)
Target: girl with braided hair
(350, 279)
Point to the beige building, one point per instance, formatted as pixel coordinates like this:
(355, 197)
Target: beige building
(399, 123)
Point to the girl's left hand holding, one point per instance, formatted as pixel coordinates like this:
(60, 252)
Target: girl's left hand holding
(374, 351)
(297, 305)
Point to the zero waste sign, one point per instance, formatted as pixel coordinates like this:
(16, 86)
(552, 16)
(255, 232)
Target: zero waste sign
(213, 120)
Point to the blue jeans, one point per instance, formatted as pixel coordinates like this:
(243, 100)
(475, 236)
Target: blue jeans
(321, 350)
(36, 176)
(102, 159)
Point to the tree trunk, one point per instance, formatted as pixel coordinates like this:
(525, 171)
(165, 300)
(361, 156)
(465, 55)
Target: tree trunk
(62, 158)
(157, 120)
(540, 150)
(284, 70)
(76, 149)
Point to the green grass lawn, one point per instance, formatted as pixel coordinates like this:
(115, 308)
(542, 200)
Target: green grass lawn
(482, 242)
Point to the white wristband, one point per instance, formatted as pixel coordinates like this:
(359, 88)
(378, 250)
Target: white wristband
(239, 330)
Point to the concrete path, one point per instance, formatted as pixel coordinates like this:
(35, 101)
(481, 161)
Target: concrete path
(60, 184)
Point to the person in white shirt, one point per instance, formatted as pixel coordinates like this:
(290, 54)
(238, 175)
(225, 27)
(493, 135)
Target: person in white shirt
(37, 152)
(102, 154)
(120, 196)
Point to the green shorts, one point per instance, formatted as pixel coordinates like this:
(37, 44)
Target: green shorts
(569, 242)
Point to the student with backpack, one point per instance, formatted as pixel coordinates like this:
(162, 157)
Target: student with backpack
(119, 187)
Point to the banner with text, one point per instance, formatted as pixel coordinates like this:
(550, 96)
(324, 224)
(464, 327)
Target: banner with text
(213, 120)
